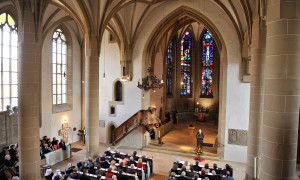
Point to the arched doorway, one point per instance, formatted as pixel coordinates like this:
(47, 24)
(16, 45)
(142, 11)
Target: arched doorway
(110, 132)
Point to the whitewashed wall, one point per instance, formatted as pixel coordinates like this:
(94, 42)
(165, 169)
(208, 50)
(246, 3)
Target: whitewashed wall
(52, 122)
(110, 53)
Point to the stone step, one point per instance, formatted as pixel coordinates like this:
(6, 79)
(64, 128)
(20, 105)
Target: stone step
(168, 150)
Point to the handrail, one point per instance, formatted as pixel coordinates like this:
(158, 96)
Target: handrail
(140, 118)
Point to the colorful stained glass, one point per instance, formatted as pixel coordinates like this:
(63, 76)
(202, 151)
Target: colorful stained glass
(207, 53)
(169, 81)
(169, 60)
(59, 67)
(207, 81)
(9, 62)
(170, 54)
(186, 43)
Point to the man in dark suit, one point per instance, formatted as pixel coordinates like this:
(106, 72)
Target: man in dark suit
(103, 157)
(135, 157)
(121, 176)
(112, 157)
(54, 141)
(197, 167)
(62, 144)
(107, 152)
(131, 161)
(105, 164)
(118, 155)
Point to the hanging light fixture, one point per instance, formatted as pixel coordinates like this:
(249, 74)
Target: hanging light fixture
(150, 81)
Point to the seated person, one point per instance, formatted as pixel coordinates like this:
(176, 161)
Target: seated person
(123, 160)
(121, 176)
(56, 146)
(109, 174)
(215, 167)
(48, 174)
(15, 169)
(98, 171)
(203, 173)
(131, 169)
(175, 168)
(113, 165)
(83, 167)
(117, 154)
(197, 167)
(62, 144)
(206, 167)
(74, 174)
(107, 152)
(141, 165)
(228, 176)
(105, 164)
(84, 176)
(193, 174)
(144, 159)
(8, 162)
(103, 157)
(79, 164)
(135, 157)
(121, 166)
(172, 176)
(214, 176)
(131, 161)
(112, 157)
(183, 171)
(54, 141)
(92, 169)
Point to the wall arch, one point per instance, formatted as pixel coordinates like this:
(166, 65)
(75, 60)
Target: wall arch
(229, 46)
(109, 126)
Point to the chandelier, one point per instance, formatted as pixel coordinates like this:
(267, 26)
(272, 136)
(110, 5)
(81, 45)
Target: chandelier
(150, 81)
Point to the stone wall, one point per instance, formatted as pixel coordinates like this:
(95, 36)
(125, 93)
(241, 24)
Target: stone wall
(8, 127)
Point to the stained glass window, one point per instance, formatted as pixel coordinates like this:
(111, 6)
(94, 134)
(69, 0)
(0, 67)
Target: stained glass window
(169, 61)
(206, 81)
(9, 62)
(59, 68)
(169, 81)
(207, 64)
(186, 43)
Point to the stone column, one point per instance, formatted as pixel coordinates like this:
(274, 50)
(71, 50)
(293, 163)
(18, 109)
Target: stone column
(281, 93)
(258, 56)
(29, 67)
(92, 97)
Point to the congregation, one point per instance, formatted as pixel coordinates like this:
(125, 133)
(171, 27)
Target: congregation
(46, 145)
(9, 162)
(188, 171)
(113, 165)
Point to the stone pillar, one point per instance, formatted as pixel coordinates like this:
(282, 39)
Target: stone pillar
(29, 67)
(281, 92)
(258, 56)
(92, 97)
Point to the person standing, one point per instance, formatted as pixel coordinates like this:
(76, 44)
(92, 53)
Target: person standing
(200, 137)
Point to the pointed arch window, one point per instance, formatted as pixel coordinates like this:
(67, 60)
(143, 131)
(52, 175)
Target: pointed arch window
(207, 65)
(118, 91)
(59, 68)
(186, 43)
(169, 63)
(9, 61)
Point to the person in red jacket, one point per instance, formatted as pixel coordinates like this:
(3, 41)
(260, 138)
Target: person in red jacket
(109, 174)
(140, 164)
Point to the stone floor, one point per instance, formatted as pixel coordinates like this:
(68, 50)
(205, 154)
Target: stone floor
(179, 137)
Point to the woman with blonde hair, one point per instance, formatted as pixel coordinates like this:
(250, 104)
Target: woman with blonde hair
(140, 164)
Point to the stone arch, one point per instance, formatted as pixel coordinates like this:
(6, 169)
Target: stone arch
(226, 39)
(115, 91)
(111, 126)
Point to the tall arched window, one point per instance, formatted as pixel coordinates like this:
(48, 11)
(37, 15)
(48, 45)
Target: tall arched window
(9, 61)
(207, 64)
(59, 67)
(118, 91)
(169, 64)
(186, 43)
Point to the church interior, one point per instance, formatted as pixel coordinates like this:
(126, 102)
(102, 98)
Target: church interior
(149, 89)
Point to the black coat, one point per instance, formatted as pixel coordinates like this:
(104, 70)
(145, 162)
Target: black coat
(122, 177)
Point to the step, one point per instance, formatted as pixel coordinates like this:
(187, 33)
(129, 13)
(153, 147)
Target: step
(206, 155)
(156, 146)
